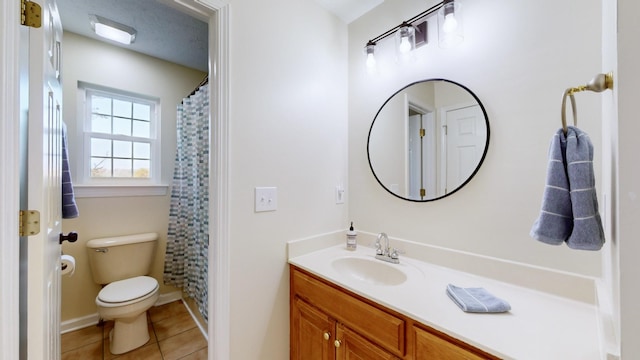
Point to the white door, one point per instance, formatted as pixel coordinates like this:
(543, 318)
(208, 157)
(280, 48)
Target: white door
(414, 157)
(466, 132)
(44, 185)
(421, 157)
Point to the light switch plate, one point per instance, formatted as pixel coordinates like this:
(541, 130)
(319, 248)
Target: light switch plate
(340, 194)
(266, 199)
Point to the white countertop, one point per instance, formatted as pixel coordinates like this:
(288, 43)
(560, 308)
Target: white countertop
(539, 325)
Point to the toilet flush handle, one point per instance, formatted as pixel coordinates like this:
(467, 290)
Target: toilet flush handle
(102, 250)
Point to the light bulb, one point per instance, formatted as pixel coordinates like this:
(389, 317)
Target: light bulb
(405, 45)
(450, 23)
(369, 51)
(371, 61)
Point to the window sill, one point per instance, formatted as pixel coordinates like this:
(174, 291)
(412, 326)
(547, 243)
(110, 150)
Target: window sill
(96, 191)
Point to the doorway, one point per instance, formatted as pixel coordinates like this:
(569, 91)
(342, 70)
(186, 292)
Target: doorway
(421, 153)
(137, 72)
(218, 20)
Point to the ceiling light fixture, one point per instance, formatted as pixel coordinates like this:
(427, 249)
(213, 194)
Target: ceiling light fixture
(112, 30)
(412, 33)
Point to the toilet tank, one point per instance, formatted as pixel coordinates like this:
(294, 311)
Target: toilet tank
(121, 257)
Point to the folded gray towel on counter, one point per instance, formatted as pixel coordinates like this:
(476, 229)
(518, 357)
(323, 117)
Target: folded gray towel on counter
(555, 223)
(476, 300)
(587, 233)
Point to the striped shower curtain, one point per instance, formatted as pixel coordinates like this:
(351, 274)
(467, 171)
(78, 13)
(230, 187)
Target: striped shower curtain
(186, 258)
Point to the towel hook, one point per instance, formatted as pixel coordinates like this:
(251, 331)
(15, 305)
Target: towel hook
(599, 83)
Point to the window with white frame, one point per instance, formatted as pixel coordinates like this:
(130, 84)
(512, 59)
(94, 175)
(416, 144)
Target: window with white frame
(121, 142)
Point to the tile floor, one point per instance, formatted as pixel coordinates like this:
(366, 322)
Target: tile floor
(174, 335)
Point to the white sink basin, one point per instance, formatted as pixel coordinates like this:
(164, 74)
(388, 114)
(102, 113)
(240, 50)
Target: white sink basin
(372, 271)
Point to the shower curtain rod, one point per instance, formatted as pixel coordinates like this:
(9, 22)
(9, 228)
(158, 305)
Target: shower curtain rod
(204, 81)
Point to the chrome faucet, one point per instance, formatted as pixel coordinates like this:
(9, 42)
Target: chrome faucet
(385, 252)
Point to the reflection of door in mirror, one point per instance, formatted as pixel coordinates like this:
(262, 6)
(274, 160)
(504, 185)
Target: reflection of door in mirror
(421, 153)
(463, 144)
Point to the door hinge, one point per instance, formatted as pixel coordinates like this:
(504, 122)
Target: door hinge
(423, 193)
(29, 222)
(31, 14)
(446, 129)
(422, 133)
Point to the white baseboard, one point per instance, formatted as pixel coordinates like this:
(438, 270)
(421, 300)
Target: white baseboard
(79, 323)
(168, 297)
(609, 339)
(92, 319)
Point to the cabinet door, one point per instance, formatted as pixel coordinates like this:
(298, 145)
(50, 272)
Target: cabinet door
(312, 333)
(351, 346)
(432, 346)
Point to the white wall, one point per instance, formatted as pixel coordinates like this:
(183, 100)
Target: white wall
(517, 57)
(288, 125)
(627, 176)
(94, 62)
(610, 295)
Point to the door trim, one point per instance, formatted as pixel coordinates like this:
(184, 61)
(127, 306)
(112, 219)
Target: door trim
(219, 251)
(9, 143)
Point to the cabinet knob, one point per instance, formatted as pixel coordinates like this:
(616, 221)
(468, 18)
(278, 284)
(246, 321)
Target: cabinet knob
(337, 343)
(326, 335)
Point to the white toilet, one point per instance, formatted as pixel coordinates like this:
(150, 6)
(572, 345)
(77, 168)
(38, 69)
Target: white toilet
(122, 263)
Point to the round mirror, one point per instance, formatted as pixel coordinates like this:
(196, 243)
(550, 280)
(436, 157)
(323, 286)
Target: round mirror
(428, 140)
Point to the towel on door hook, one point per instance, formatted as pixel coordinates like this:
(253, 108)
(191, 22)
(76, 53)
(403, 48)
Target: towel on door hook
(69, 206)
(570, 205)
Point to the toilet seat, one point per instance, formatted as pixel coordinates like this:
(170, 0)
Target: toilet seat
(123, 292)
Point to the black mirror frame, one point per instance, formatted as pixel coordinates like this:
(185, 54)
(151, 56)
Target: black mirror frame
(484, 154)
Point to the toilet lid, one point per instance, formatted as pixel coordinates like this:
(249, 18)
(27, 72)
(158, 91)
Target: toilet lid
(128, 289)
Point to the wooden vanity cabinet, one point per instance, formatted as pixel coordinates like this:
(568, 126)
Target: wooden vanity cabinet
(431, 344)
(331, 323)
(312, 331)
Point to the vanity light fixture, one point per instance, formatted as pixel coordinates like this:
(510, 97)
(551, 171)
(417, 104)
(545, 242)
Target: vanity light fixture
(369, 52)
(405, 38)
(412, 33)
(112, 30)
(450, 23)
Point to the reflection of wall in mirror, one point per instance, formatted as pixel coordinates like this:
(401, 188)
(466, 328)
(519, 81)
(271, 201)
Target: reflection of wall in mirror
(388, 139)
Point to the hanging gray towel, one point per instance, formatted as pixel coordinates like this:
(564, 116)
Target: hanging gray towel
(69, 207)
(569, 204)
(587, 233)
(476, 300)
(555, 223)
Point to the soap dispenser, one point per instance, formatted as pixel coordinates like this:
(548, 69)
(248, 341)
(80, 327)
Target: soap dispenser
(352, 243)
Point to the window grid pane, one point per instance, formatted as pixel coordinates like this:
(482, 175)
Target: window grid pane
(141, 168)
(122, 168)
(117, 157)
(101, 167)
(101, 123)
(121, 126)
